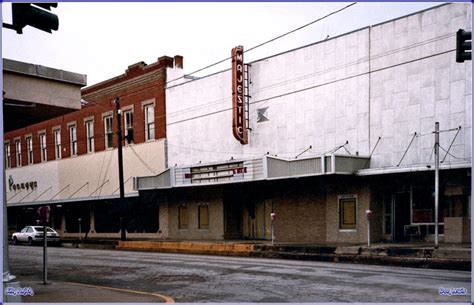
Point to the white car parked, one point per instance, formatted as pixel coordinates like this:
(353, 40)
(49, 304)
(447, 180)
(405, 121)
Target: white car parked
(31, 234)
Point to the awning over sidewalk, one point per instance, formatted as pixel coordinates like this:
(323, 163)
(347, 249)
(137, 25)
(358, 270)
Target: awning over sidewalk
(265, 168)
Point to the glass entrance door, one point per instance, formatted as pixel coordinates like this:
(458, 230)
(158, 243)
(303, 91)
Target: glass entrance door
(400, 215)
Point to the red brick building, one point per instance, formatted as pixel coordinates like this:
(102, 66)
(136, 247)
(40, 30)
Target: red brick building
(77, 151)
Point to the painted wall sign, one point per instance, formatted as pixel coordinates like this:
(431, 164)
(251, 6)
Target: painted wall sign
(239, 127)
(21, 186)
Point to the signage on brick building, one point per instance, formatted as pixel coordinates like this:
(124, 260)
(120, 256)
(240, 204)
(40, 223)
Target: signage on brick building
(239, 128)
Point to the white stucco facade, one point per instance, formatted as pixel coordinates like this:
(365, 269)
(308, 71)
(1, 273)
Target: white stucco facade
(388, 80)
(85, 177)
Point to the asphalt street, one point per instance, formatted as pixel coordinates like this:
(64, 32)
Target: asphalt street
(198, 278)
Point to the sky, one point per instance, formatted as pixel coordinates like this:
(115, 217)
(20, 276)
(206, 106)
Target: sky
(102, 39)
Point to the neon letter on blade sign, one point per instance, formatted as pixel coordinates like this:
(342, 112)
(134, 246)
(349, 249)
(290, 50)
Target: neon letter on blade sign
(238, 106)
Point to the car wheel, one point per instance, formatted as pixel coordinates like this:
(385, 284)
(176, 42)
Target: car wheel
(15, 241)
(30, 241)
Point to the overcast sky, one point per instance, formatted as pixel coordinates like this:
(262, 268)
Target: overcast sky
(103, 39)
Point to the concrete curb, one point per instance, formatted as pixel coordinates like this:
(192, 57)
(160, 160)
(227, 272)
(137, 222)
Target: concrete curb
(417, 257)
(414, 262)
(88, 246)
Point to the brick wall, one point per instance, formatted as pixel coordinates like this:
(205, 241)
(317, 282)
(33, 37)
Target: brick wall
(300, 218)
(347, 188)
(140, 83)
(192, 199)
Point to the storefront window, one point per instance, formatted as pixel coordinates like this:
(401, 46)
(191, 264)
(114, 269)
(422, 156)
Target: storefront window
(203, 217)
(183, 217)
(347, 213)
(423, 205)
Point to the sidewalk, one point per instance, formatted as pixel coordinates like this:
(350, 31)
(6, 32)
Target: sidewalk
(65, 292)
(420, 255)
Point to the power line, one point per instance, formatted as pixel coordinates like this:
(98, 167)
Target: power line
(266, 42)
(265, 99)
(350, 77)
(448, 153)
(272, 86)
(315, 86)
(301, 27)
(281, 84)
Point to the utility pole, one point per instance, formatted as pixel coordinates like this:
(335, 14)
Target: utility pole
(45, 248)
(123, 227)
(436, 152)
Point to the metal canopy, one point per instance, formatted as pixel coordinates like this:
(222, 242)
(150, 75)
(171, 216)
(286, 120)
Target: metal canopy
(264, 168)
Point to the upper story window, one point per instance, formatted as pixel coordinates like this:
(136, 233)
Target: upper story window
(90, 136)
(108, 132)
(42, 140)
(7, 155)
(128, 124)
(29, 149)
(149, 122)
(18, 152)
(57, 143)
(73, 139)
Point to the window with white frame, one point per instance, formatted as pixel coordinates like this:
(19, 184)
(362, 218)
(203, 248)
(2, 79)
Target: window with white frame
(29, 149)
(108, 132)
(6, 151)
(90, 136)
(347, 213)
(57, 143)
(42, 139)
(73, 139)
(128, 124)
(149, 122)
(18, 152)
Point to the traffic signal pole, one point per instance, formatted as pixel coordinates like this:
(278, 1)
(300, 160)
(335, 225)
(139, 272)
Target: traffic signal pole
(123, 227)
(36, 15)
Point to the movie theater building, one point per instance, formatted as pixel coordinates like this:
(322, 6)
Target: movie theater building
(70, 162)
(320, 134)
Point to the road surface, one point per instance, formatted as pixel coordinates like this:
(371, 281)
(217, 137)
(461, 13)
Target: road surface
(199, 278)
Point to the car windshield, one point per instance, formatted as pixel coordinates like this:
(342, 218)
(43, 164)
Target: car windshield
(40, 229)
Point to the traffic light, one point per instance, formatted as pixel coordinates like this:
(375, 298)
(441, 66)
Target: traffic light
(463, 46)
(24, 14)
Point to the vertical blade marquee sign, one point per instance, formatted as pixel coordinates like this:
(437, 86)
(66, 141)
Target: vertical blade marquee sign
(239, 127)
